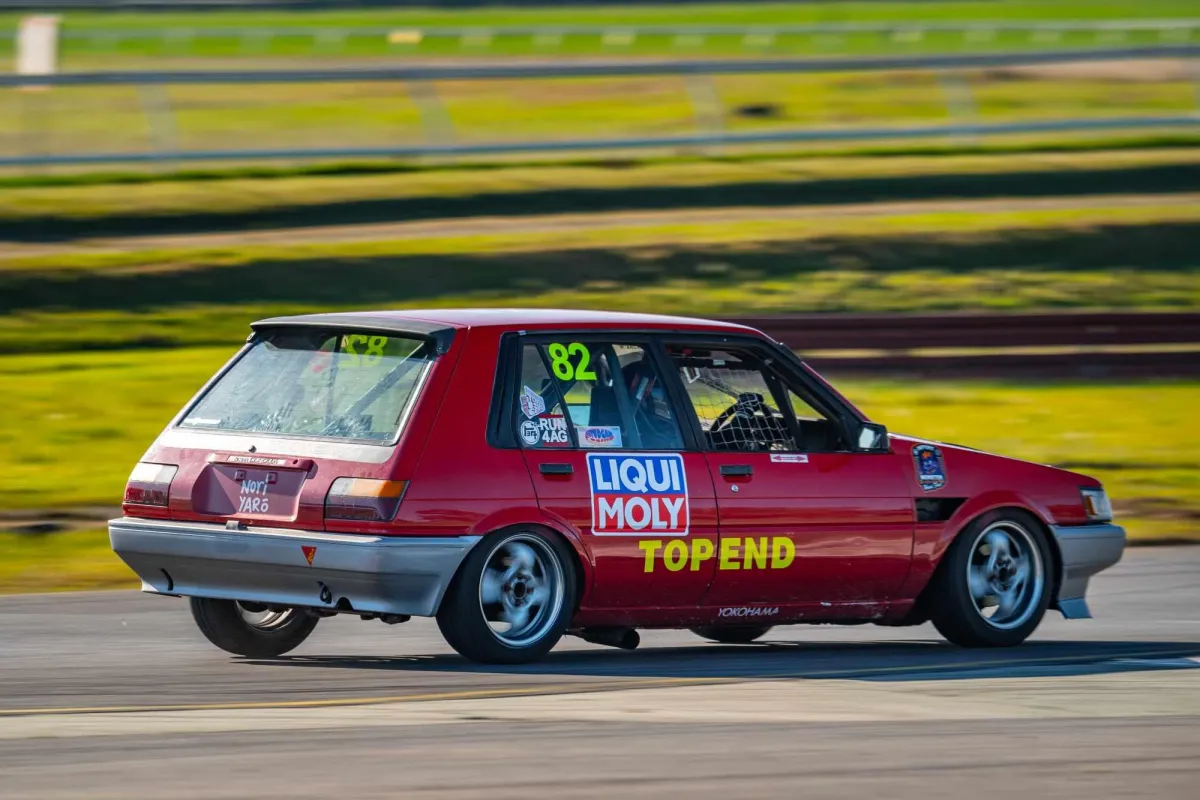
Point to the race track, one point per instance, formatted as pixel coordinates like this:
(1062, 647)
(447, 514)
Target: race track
(117, 695)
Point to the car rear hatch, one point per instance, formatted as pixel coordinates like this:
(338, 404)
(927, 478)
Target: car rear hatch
(306, 427)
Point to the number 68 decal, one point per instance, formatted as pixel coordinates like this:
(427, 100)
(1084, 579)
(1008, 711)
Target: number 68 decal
(368, 357)
(564, 369)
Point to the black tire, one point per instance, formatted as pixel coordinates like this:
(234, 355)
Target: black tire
(223, 623)
(732, 634)
(952, 606)
(465, 623)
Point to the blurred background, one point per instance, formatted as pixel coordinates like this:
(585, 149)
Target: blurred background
(981, 219)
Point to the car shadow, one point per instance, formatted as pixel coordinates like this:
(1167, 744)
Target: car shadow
(908, 660)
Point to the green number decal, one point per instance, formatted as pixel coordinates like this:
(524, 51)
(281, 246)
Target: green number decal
(374, 350)
(370, 357)
(348, 349)
(582, 373)
(560, 362)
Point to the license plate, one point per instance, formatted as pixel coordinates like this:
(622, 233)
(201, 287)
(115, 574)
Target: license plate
(245, 492)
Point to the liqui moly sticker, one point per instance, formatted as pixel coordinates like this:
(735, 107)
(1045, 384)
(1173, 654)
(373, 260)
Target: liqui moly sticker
(599, 436)
(532, 403)
(638, 495)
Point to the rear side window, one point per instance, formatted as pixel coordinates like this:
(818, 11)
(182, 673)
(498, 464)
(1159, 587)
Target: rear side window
(334, 385)
(593, 396)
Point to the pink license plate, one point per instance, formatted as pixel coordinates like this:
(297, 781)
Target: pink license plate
(233, 491)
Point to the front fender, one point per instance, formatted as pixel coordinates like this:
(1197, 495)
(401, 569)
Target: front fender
(931, 540)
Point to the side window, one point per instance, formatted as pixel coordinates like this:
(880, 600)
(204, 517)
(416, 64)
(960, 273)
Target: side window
(540, 416)
(612, 396)
(743, 406)
(817, 433)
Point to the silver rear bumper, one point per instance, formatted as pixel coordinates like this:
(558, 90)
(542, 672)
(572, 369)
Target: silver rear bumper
(1086, 549)
(386, 575)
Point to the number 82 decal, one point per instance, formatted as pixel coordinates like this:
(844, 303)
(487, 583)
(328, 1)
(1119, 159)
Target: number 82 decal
(560, 361)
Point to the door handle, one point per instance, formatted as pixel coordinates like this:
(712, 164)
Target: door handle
(555, 469)
(736, 470)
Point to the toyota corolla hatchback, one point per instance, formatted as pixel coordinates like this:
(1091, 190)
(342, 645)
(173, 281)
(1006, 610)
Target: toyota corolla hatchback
(523, 474)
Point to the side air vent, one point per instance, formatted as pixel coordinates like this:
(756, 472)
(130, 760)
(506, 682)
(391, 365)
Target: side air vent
(937, 509)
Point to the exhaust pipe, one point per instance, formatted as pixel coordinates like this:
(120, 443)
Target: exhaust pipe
(624, 638)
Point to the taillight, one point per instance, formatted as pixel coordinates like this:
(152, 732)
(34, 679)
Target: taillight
(364, 499)
(150, 484)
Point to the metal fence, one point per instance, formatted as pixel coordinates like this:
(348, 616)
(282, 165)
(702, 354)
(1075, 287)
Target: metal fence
(332, 40)
(1030, 345)
(708, 113)
(1169, 30)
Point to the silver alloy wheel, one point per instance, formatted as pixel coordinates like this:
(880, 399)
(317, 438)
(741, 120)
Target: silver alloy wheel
(1005, 575)
(261, 618)
(521, 589)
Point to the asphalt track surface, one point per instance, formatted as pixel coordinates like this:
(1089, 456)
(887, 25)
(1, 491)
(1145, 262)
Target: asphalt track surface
(117, 695)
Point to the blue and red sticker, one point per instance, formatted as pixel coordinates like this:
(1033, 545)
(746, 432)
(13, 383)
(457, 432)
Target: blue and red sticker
(931, 467)
(637, 495)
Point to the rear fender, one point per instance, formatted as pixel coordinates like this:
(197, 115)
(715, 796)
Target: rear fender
(526, 516)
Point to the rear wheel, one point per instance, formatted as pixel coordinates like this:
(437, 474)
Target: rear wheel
(511, 600)
(251, 629)
(993, 587)
(732, 634)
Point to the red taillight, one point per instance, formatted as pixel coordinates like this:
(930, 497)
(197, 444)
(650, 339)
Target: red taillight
(364, 499)
(150, 484)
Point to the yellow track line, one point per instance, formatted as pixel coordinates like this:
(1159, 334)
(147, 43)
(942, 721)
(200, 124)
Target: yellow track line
(595, 686)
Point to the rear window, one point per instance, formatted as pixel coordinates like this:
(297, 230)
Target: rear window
(333, 385)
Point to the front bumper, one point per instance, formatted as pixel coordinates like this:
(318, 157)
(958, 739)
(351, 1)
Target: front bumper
(1086, 550)
(380, 574)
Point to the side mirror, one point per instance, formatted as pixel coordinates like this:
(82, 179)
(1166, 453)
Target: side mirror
(872, 438)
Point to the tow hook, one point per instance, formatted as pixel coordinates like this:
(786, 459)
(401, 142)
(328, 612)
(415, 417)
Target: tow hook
(624, 638)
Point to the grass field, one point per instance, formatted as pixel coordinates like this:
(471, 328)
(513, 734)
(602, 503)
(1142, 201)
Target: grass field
(186, 37)
(114, 119)
(1123, 256)
(75, 423)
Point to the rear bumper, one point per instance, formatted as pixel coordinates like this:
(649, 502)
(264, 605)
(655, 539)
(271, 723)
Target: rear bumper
(400, 575)
(1086, 550)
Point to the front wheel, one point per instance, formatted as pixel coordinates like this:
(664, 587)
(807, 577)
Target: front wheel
(994, 585)
(732, 634)
(511, 600)
(250, 629)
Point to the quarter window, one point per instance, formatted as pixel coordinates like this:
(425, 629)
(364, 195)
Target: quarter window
(611, 395)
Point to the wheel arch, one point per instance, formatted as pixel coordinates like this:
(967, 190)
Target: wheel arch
(967, 515)
(580, 563)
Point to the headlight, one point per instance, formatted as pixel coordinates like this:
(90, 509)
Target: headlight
(1096, 504)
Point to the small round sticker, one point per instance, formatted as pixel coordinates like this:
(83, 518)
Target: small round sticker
(530, 434)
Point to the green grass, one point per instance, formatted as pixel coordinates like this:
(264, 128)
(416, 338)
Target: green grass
(57, 208)
(1141, 257)
(204, 117)
(61, 562)
(173, 44)
(75, 424)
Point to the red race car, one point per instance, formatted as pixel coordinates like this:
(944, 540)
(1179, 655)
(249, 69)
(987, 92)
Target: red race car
(523, 474)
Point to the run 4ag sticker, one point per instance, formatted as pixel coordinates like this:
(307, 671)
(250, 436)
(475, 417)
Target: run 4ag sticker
(599, 436)
(552, 430)
(931, 467)
(532, 403)
(636, 495)
(545, 430)
(789, 458)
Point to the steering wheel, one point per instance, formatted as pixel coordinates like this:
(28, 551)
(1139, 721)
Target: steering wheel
(747, 405)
